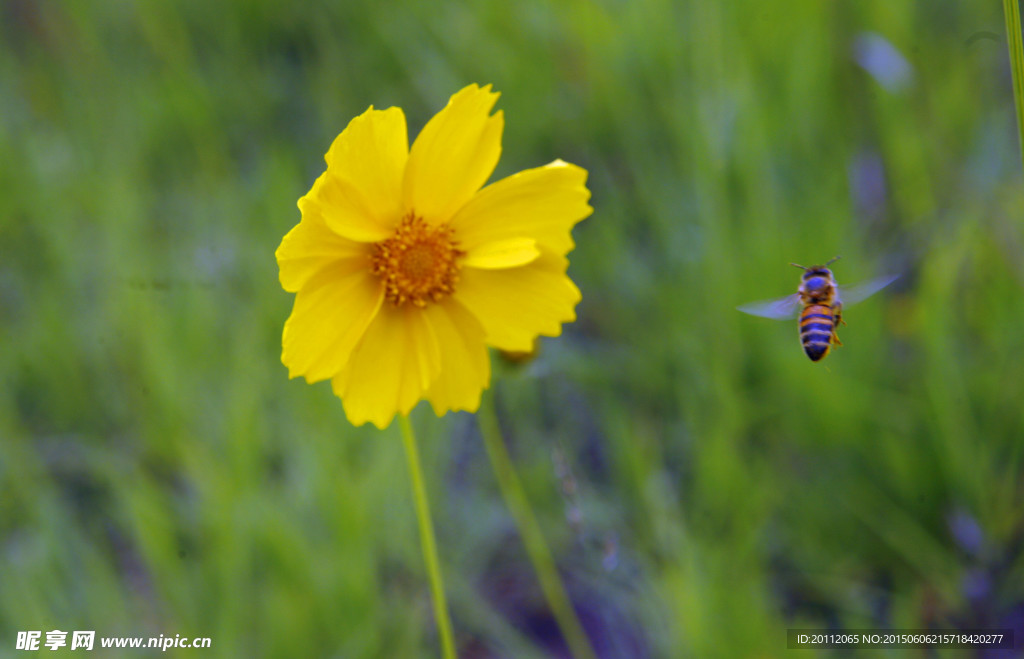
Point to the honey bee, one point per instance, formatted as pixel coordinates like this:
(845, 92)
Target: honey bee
(820, 306)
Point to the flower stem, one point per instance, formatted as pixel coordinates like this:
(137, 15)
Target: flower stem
(1013, 37)
(444, 623)
(529, 529)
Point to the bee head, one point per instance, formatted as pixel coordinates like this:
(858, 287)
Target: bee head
(817, 279)
(817, 271)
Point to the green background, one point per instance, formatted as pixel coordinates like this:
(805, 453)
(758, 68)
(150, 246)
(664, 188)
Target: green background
(703, 485)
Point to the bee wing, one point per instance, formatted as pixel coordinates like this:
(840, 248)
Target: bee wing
(780, 309)
(860, 292)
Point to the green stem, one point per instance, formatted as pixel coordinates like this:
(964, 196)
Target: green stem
(427, 543)
(529, 529)
(1011, 9)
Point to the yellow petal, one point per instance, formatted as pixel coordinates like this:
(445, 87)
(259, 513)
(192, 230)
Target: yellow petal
(391, 367)
(454, 155)
(360, 195)
(516, 304)
(542, 203)
(310, 247)
(465, 364)
(507, 253)
(331, 313)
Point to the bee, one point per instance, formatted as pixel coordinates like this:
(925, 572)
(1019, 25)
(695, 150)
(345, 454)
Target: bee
(820, 306)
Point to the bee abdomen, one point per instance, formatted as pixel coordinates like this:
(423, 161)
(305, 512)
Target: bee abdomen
(816, 350)
(816, 328)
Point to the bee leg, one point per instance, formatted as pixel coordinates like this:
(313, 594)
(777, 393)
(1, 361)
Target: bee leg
(837, 320)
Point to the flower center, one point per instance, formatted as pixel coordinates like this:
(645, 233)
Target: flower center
(418, 264)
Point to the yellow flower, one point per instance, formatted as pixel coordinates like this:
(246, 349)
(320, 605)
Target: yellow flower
(405, 269)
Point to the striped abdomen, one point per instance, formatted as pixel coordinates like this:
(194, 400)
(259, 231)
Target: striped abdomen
(817, 325)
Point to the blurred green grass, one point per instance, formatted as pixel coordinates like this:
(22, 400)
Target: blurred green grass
(703, 485)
